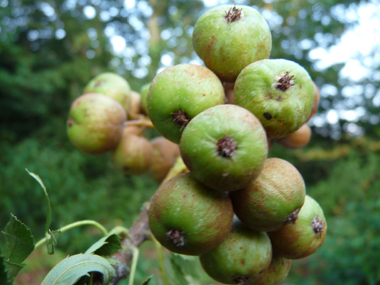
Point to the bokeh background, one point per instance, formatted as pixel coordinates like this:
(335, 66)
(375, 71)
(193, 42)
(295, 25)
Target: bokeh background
(49, 50)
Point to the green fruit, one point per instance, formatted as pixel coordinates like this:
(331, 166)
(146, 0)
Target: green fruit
(275, 273)
(95, 123)
(187, 217)
(111, 85)
(164, 157)
(273, 199)
(240, 258)
(133, 155)
(178, 94)
(303, 237)
(278, 92)
(144, 92)
(228, 38)
(224, 147)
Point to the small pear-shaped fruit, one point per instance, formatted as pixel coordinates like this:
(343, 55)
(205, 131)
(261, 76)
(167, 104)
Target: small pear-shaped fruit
(133, 155)
(273, 199)
(177, 94)
(165, 154)
(134, 105)
(144, 92)
(111, 85)
(303, 237)
(297, 139)
(95, 123)
(225, 147)
(240, 258)
(276, 272)
(189, 218)
(278, 92)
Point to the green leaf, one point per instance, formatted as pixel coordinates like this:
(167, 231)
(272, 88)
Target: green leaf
(106, 246)
(71, 269)
(48, 214)
(19, 242)
(3, 272)
(52, 241)
(12, 269)
(175, 273)
(147, 280)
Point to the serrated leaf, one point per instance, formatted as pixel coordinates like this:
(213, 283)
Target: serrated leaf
(12, 270)
(147, 280)
(106, 246)
(48, 214)
(52, 241)
(3, 272)
(71, 269)
(19, 242)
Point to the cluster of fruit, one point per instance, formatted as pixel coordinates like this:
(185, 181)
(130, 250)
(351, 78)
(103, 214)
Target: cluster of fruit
(245, 215)
(111, 117)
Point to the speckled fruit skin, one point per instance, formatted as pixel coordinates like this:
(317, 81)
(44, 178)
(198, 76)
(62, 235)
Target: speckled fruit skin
(95, 123)
(280, 112)
(188, 87)
(268, 202)
(111, 85)
(133, 155)
(199, 147)
(299, 240)
(297, 139)
(243, 253)
(164, 156)
(276, 272)
(203, 216)
(226, 48)
(144, 92)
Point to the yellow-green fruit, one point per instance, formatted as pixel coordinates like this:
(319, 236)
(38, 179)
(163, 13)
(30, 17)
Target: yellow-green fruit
(297, 139)
(111, 85)
(134, 105)
(144, 92)
(273, 199)
(240, 258)
(230, 37)
(303, 237)
(95, 123)
(275, 273)
(133, 155)
(278, 92)
(165, 154)
(177, 94)
(189, 218)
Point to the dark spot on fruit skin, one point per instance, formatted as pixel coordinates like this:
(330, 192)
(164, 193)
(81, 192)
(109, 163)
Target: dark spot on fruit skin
(180, 118)
(279, 98)
(233, 15)
(293, 216)
(226, 146)
(285, 82)
(176, 237)
(317, 226)
(70, 122)
(242, 280)
(98, 83)
(267, 116)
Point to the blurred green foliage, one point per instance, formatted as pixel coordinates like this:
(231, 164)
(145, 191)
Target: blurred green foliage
(41, 75)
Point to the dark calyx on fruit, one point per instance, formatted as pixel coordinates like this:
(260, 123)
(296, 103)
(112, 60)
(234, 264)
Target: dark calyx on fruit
(180, 118)
(242, 280)
(293, 216)
(176, 237)
(317, 226)
(285, 82)
(226, 147)
(267, 116)
(233, 15)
